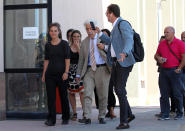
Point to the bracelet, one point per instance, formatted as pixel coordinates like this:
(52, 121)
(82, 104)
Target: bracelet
(66, 72)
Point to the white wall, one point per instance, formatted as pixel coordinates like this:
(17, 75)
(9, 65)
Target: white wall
(1, 38)
(72, 14)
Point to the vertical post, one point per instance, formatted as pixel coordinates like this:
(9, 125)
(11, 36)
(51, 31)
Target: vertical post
(2, 97)
(2, 74)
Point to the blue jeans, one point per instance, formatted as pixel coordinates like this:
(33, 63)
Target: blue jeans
(170, 80)
(183, 84)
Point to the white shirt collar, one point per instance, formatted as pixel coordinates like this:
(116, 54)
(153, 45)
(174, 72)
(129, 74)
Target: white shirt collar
(115, 22)
(95, 36)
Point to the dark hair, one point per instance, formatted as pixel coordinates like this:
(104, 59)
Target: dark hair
(113, 8)
(162, 37)
(75, 31)
(68, 31)
(58, 27)
(107, 31)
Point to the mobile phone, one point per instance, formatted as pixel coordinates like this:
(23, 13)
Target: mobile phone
(164, 59)
(92, 25)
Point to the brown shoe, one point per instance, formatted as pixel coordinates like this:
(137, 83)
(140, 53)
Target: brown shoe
(74, 117)
(123, 126)
(112, 115)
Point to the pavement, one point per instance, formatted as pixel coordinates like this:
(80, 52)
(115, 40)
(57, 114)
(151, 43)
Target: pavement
(145, 121)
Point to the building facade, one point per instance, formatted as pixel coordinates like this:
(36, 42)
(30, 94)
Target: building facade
(23, 32)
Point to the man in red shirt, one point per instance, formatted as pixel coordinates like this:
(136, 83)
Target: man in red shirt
(171, 72)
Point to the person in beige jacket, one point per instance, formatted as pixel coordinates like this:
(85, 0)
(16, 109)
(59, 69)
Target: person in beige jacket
(94, 72)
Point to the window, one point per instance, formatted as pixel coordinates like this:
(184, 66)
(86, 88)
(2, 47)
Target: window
(17, 2)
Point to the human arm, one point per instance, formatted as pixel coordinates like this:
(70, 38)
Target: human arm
(67, 61)
(158, 58)
(102, 46)
(127, 34)
(81, 61)
(46, 62)
(65, 74)
(105, 38)
(102, 36)
(181, 65)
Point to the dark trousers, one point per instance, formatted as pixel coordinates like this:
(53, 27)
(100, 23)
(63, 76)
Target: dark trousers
(170, 81)
(96, 99)
(173, 104)
(111, 96)
(52, 81)
(172, 100)
(119, 77)
(183, 84)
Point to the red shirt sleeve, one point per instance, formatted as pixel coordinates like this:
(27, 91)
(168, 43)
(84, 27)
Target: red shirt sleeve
(159, 49)
(182, 47)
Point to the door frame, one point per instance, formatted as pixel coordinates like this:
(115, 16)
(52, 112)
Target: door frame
(48, 6)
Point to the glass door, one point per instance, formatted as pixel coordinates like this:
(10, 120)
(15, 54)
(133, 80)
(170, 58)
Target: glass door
(26, 25)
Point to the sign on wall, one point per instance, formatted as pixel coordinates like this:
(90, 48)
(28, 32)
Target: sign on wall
(30, 32)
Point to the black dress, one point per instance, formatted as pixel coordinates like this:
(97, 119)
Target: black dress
(74, 87)
(56, 54)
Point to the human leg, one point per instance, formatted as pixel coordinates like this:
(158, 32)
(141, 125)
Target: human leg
(111, 100)
(120, 75)
(164, 87)
(64, 99)
(177, 90)
(89, 85)
(72, 100)
(51, 99)
(82, 100)
(102, 78)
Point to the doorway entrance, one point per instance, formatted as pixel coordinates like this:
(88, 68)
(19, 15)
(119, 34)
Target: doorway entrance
(25, 34)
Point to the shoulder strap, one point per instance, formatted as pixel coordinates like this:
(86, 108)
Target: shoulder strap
(119, 25)
(173, 53)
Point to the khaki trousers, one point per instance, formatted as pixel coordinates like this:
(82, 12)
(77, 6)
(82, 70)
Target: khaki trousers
(100, 80)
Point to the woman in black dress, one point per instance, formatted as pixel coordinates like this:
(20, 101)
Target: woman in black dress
(75, 87)
(55, 73)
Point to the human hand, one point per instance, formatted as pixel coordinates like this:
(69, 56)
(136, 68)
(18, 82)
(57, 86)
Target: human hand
(76, 42)
(43, 78)
(122, 57)
(77, 79)
(178, 70)
(65, 76)
(101, 46)
(97, 30)
(160, 60)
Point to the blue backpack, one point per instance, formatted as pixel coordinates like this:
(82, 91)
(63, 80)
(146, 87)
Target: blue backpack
(138, 52)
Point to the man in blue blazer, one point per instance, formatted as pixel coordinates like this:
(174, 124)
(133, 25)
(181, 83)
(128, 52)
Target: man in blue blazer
(121, 53)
